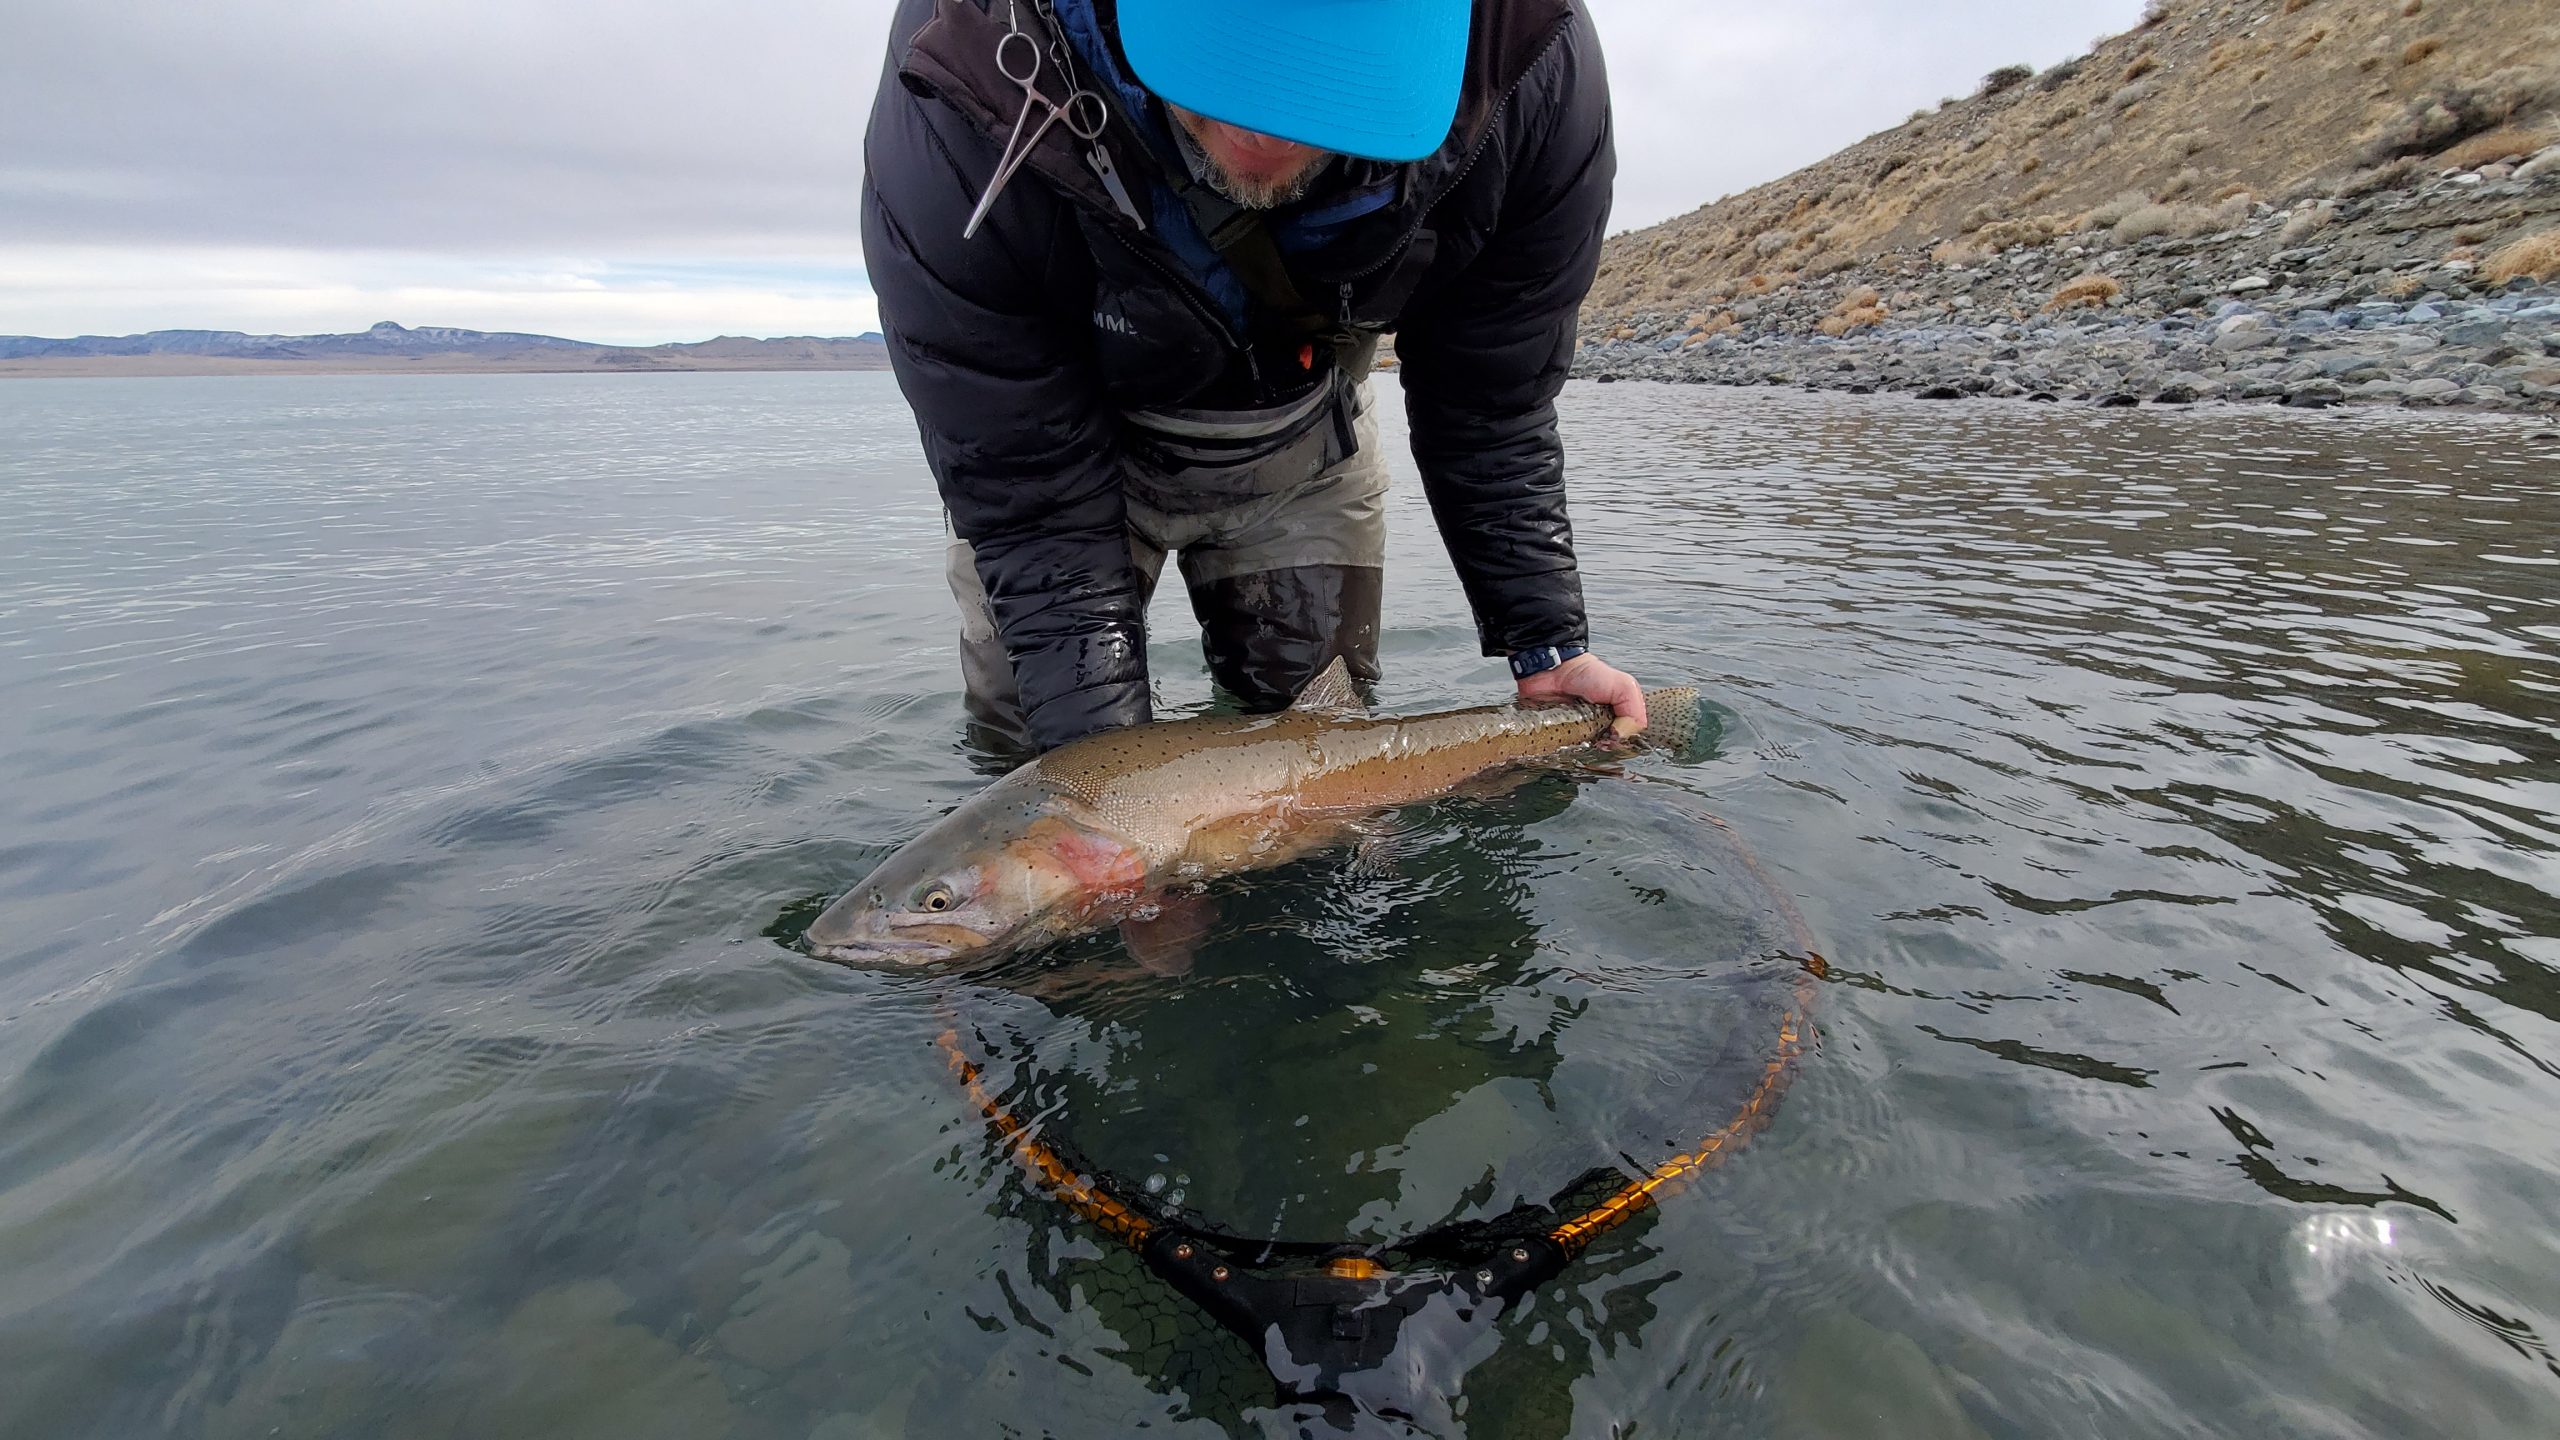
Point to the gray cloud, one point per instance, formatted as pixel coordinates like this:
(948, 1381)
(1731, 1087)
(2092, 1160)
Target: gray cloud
(642, 126)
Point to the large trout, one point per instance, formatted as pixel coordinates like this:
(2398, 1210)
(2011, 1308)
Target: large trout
(1100, 830)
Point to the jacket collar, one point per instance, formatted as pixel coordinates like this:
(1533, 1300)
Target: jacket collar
(952, 57)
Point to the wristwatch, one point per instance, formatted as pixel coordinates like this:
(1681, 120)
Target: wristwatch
(1540, 659)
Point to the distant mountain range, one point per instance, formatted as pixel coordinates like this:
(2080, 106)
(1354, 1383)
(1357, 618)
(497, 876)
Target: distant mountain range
(390, 347)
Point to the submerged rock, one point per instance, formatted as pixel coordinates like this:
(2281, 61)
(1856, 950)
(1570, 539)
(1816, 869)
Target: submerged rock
(794, 1305)
(1847, 1377)
(567, 1363)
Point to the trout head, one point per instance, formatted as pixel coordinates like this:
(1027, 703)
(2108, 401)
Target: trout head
(1013, 867)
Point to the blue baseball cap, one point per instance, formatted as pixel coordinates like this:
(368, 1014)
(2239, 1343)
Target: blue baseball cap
(1373, 78)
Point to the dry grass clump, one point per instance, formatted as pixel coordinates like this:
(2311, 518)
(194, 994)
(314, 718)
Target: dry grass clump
(2419, 50)
(2143, 64)
(2132, 95)
(2146, 222)
(2511, 143)
(2537, 256)
(2185, 221)
(2306, 222)
(2447, 113)
(2181, 183)
(2231, 214)
(2414, 8)
(1858, 309)
(2007, 77)
(2310, 42)
(2377, 179)
(2111, 214)
(2401, 287)
(1704, 327)
(2093, 291)
(2002, 235)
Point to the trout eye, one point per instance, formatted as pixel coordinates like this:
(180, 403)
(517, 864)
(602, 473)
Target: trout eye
(936, 898)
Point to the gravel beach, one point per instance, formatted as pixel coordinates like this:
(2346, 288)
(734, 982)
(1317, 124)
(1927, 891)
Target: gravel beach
(2312, 305)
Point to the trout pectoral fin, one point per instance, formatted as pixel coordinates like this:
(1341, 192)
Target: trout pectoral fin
(1169, 938)
(1374, 841)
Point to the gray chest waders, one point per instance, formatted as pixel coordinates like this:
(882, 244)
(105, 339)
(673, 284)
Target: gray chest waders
(1278, 517)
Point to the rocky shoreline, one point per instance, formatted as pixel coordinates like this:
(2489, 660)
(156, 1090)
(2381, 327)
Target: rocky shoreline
(2372, 299)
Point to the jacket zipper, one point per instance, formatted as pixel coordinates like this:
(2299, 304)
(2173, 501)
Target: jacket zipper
(1555, 37)
(1191, 297)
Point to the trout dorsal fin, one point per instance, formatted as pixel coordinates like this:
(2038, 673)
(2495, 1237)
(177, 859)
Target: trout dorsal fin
(1331, 693)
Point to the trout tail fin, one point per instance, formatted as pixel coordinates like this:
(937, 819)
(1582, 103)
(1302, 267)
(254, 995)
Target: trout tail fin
(1672, 719)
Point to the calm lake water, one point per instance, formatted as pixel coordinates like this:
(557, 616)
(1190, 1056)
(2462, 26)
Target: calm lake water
(407, 787)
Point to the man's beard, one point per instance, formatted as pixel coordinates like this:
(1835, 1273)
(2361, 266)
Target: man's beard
(1262, 194)
(1250, 193)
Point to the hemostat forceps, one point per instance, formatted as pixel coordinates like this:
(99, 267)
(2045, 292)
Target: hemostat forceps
(1018, 56)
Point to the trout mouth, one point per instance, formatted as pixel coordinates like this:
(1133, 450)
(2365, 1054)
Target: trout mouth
(907, 945)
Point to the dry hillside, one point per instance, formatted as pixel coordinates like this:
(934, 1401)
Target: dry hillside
(2177, 126)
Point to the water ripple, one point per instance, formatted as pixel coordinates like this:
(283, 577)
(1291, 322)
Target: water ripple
(412, 787)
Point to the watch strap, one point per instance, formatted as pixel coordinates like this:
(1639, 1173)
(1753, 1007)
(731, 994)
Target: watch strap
(1539, 659)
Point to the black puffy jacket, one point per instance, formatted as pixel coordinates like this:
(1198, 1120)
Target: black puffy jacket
(1020, 349)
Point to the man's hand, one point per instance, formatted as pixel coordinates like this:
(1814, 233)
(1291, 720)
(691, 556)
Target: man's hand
(1587, 677)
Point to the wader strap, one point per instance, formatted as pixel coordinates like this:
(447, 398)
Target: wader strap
(1235, 426)
(1201, 460)
(1244, 242)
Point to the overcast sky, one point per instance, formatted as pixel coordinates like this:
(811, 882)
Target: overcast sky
(639, 171)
